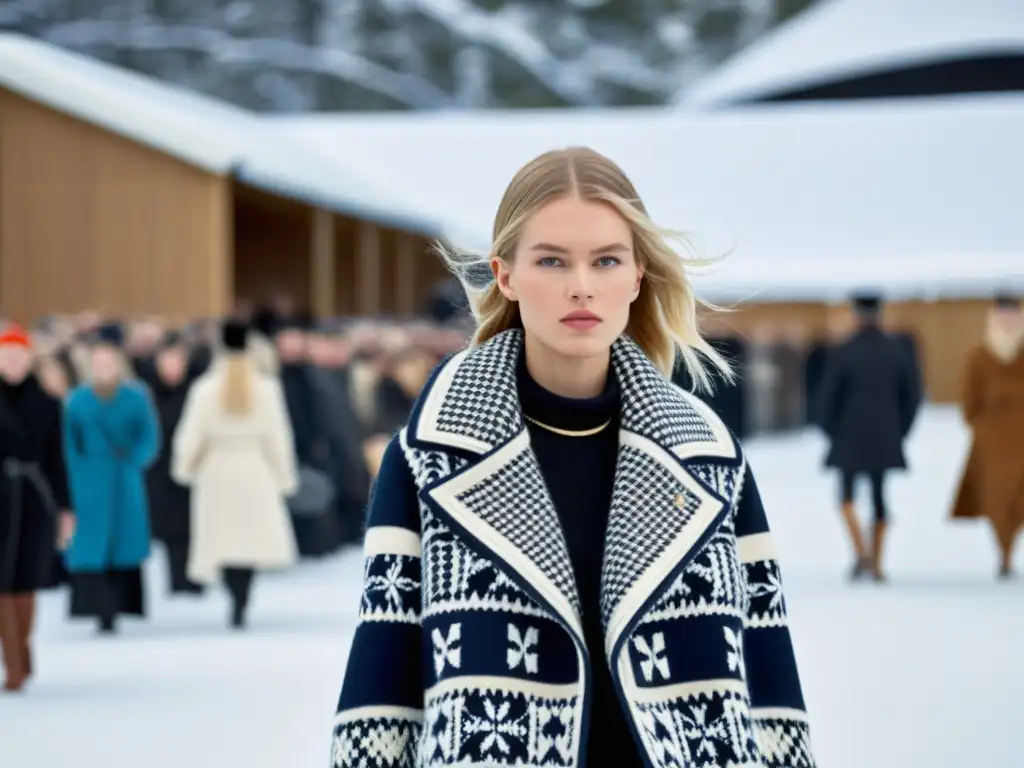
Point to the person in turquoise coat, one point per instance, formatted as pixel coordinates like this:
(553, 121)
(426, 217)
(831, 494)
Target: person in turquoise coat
(111, 436)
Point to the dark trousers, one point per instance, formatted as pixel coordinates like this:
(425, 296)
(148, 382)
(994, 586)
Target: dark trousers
(239, 584)
(877, 480)
(177, 563)
(106, 595)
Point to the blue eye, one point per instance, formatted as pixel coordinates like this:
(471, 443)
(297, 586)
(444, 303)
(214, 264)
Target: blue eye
(608, 261)
(549, 261)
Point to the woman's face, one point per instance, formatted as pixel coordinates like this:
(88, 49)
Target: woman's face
(171, 364)
(105, 365)
(574, 276)
(53, 377)
(15, 362)
(1010, 319)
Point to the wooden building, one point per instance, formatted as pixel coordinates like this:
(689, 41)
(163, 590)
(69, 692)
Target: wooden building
(916, 200)
(123, 194)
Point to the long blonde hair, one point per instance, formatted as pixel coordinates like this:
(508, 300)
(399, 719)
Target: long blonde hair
(236, 389)
(662, 319)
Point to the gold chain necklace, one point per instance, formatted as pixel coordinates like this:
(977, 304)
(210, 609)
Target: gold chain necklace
(569, 432)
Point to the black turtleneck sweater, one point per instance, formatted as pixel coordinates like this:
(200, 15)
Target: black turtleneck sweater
(579, 469)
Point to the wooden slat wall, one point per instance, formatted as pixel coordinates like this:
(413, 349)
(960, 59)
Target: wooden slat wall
(273, 240)
(346, 244)
(94, 221)
(947, 331)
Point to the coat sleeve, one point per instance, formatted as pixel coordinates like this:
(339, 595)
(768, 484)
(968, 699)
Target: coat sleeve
(777, 704)
(53, 460)
(380, 710)
(829, 401)
(974, 388)
(280, 444)
(73, 445)
(146, 445)
(189, 438)
(911, 386)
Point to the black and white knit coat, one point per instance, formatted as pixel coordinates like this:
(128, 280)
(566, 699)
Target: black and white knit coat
(469, 649)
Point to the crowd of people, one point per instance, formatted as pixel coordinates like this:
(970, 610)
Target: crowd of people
(239, 445)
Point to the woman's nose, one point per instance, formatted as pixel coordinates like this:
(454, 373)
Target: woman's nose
(580, 284)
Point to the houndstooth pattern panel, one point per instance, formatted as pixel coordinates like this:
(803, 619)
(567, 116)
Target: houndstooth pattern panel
(723, 480)
(783, 743)
(481, 401)
(649, 509)
(456, 578)
(515, 502)
(376, 742)
(651, 405)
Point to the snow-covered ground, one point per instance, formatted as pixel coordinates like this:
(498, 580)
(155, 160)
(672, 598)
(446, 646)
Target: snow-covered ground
(925, 671)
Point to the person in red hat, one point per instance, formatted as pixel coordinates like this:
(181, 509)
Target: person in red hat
(33, 498)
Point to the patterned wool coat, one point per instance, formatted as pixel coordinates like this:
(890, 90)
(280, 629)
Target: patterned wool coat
(469, 649)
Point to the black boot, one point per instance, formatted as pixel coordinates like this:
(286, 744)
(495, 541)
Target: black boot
(181, 584)
(239, 583)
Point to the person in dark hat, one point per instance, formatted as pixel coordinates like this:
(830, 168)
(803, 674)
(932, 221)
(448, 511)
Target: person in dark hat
(993, 483)
(168, 500)
(109, 334)
(317, 535)
(868, 400)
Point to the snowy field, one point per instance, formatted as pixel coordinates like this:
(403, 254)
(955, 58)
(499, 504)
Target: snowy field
(925, 671)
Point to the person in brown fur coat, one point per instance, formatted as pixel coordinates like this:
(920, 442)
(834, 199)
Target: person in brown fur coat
(993, 482)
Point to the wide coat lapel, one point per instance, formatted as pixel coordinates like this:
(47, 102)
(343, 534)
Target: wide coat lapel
(498, 499)
(672, 489)
(667, 498)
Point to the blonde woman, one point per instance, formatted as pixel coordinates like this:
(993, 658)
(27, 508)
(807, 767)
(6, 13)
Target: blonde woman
(233, 446)
(567, 560)
(993, 484)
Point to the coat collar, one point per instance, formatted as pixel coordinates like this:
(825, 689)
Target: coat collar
(667, 498)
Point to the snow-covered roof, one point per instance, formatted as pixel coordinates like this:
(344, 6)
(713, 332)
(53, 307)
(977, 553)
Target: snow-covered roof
(838, 38)
(201, 131)
(809, 202)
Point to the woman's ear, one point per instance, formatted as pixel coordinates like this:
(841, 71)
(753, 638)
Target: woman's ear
(503, 278)
(639, 282)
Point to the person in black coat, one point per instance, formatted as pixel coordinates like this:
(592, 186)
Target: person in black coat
(869, 396)
(33, 498)
(304, 406)
(169, 502)
(347, 463)
(317, 535)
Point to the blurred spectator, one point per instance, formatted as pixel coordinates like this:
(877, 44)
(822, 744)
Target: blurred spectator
(111, 437)
(169, 501)
(233, 447)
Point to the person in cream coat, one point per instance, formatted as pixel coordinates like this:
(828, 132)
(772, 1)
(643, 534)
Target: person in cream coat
(233, 446)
